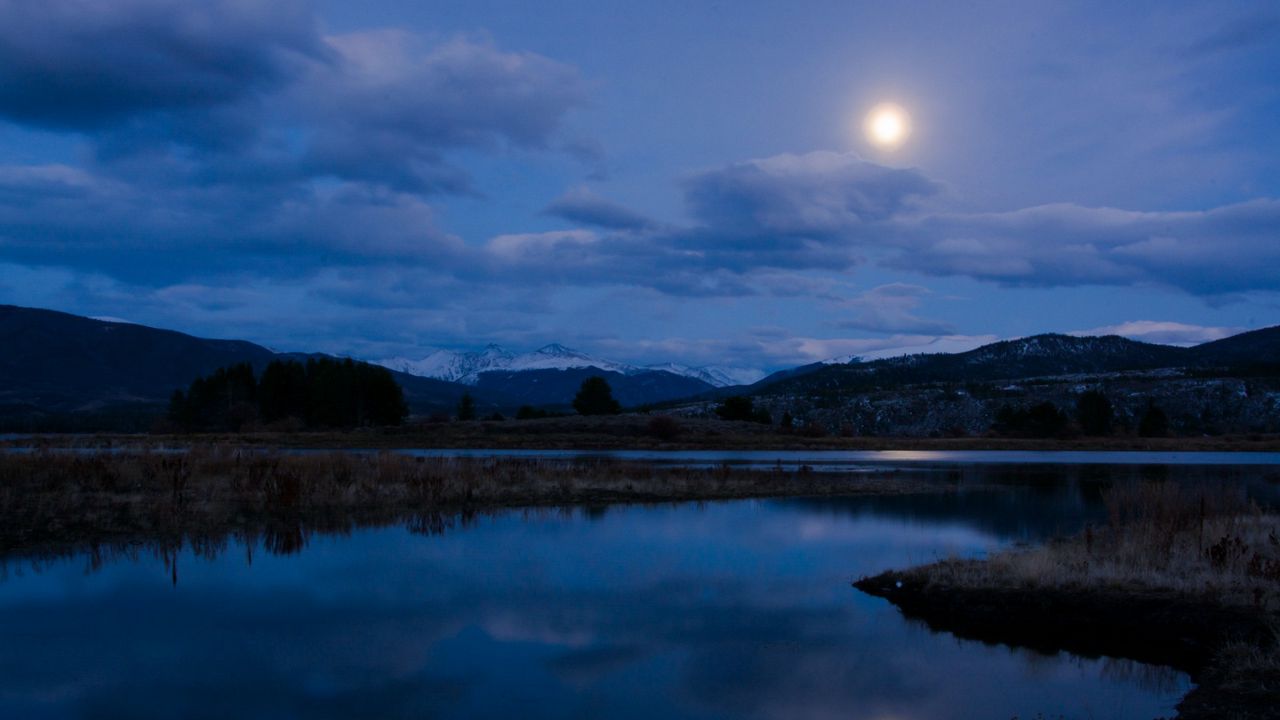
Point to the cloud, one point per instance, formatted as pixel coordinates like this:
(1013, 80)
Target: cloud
(55, 214)
(757, 224)
(231, 137)
(889, 308)
(815, 195)
(1165, 333)
(1228, 249)
(1237, 34)
(239, 92)
(392, 103)
(582, 206)
(84, 65)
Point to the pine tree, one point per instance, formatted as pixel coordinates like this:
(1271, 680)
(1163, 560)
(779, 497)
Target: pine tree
(595, 397)
(466, 408)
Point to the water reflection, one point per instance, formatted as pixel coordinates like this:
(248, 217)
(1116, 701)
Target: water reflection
(1012, 503)
(731, 609)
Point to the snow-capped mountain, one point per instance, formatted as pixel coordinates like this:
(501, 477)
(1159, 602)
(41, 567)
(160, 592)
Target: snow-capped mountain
(717, 375)
(453, 366)
(466, 367)
(558, 357)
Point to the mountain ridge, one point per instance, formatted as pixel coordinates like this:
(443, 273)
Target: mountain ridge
(1043, 355)
(467, 366)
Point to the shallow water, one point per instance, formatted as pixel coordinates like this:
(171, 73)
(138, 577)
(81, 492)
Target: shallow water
(719, 610)
(877, 459)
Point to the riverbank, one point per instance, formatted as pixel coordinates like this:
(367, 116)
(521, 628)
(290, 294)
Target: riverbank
(638, 432)
(57, 503)
(1179, 577)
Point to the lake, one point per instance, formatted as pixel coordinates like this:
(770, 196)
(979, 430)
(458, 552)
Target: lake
(694, 610)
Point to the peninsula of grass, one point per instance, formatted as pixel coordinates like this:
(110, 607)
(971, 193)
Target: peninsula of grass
(56, 502)
(1179, 576)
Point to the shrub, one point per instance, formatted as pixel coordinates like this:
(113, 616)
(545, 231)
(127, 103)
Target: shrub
(663, 427)
(1094, 413)
(529, 412)
(740, 407)
(1154, 422)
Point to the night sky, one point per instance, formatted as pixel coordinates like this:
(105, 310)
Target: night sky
(645, 181)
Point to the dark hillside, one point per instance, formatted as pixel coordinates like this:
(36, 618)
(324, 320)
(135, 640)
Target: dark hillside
(1037, 356)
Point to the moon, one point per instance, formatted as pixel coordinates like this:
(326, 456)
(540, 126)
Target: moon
(887, 126)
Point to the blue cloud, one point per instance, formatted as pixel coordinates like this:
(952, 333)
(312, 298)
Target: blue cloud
(93, 67)
(815, 195)
(1229, 249)
(584, 207)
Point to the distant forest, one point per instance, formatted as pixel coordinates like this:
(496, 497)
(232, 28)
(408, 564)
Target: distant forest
(322, 393)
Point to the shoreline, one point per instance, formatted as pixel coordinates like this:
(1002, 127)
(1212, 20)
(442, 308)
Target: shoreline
(57, 504)
(632, 433)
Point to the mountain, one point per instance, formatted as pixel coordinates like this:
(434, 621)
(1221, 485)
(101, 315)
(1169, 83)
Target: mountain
(55, 362)
(1036, 356)
(714, 375)
(467, 367)
(452, 366)
(1248, 348)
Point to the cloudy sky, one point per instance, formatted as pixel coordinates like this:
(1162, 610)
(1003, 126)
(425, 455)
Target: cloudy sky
(682, 181)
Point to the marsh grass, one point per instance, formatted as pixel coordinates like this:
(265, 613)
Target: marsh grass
(110, 502)
(1193, 539)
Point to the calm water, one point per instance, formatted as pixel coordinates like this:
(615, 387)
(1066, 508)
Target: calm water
(879, 459)
(722, 610)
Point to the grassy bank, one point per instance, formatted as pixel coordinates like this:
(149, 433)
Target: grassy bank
(1180, 575)
(640, 431)
(54, 502)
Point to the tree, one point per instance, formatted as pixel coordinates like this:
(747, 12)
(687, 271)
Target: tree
(1042, 420)
(595, 397)
(283, 391)
(381, 399)
(466, 408)
(737, 407)
(225, 400)
(1094, 413)
(323, 393)
(1154, 422)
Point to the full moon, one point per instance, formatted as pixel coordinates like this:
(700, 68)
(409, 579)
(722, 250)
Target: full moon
(887, 126)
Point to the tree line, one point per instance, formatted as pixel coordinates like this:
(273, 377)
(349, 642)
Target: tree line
(1094, 416)
(320, 393)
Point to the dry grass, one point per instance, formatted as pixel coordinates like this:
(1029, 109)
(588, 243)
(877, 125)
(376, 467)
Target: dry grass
(55, 502)
(1192, 540)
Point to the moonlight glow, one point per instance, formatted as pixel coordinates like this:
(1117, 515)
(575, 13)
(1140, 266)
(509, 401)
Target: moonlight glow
(887, 126)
